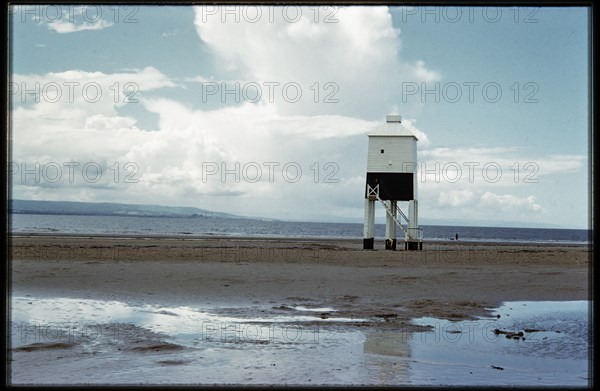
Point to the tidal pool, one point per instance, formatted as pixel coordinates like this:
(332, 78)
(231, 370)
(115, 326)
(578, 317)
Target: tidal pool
(74, 341)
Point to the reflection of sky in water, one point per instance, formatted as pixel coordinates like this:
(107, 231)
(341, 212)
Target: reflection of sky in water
(556, 355)
(185, 323)
(320, 309)
(236, 348)
(562, 330)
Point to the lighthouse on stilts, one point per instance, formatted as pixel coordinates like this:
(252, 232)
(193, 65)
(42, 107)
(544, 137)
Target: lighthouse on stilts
(391, 178)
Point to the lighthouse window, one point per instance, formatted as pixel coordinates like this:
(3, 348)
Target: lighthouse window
(382, 151)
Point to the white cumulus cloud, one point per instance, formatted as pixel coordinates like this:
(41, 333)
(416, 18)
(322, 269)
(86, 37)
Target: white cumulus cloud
(456, 198)
(510, 203)
(63, 27)
(359, 53)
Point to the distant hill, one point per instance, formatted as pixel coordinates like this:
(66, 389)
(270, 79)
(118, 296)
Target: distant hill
(110, 209)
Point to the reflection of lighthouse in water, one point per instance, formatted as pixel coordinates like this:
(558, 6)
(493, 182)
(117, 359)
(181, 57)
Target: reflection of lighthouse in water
(389, 354)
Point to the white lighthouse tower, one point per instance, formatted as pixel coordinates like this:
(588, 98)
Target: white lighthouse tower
(391, 177)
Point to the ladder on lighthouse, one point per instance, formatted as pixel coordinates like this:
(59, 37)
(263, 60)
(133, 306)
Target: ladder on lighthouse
(373, 193)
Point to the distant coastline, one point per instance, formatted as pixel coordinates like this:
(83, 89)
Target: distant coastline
(80, 208)
(70, 208)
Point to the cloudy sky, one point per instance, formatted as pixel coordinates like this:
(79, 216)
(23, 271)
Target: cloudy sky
(264, 111)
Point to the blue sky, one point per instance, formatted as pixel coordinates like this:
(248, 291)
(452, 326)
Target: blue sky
(175, 139)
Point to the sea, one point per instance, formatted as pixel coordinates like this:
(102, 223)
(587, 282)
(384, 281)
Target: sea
(206, 227)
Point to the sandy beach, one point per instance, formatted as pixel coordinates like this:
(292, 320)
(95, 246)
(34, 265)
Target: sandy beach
(172, 310)
(447, 280)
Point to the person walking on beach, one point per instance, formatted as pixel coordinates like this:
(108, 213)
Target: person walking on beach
(456, 237)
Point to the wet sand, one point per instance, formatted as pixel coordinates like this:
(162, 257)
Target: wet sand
(452, 280)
